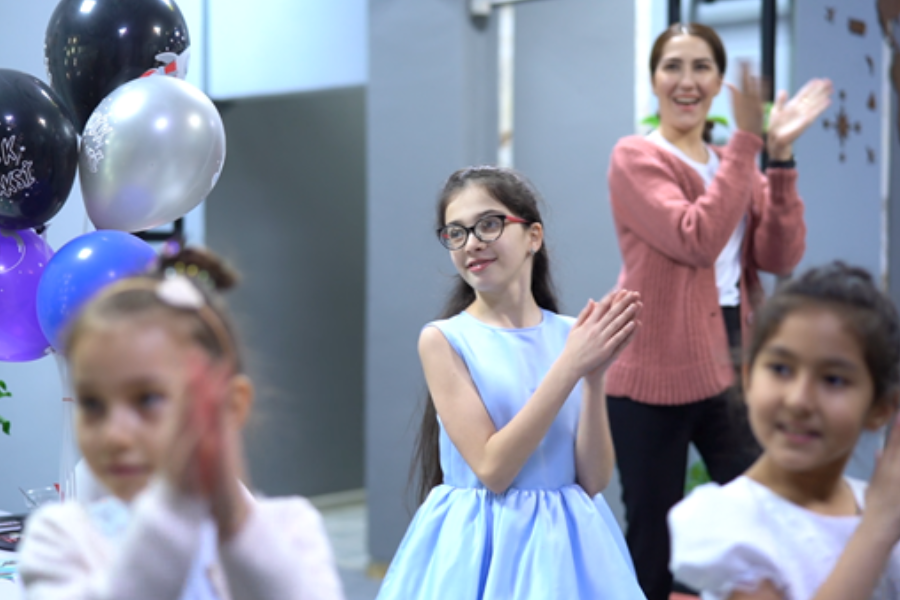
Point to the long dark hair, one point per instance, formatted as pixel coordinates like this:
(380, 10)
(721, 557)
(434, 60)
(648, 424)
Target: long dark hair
(705, 33)
(516, 193)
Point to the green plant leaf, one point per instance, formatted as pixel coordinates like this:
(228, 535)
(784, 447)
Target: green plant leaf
(4, 424)
(697, 475)
(767, 110)
(653, 120)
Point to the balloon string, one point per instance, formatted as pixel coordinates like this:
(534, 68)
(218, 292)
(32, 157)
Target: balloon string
(87, 226)
(63, 371)
(68, 455)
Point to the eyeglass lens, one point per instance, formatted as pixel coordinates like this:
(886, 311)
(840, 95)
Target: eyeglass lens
(486, 229)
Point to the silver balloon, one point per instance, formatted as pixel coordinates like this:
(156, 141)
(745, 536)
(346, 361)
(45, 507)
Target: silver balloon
(150, 152)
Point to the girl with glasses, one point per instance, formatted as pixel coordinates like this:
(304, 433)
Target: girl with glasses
(695, 224)
(514, 446)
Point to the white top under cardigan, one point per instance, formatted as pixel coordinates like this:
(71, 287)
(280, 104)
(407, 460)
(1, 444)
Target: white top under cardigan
(163, 547)
(733, 537)
(728, 263)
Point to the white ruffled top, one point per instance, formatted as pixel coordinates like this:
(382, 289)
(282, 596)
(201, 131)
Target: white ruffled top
(733, 537)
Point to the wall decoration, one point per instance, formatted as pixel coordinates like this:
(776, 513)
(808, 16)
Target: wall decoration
(846, 216)
(845, 123)
(842, 125)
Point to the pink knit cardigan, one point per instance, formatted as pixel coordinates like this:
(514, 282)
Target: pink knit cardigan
(671, 230)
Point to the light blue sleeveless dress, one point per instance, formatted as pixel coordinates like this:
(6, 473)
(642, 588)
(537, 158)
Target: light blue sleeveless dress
(544, 538)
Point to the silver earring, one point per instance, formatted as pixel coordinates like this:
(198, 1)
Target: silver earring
(532, 251)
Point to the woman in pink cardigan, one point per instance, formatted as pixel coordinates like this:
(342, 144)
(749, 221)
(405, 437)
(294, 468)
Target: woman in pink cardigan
(695, 224)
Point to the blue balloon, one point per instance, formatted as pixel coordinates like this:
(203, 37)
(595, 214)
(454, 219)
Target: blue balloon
(80, 269)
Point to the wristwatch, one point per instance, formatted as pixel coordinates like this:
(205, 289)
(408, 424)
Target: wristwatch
(782, 164)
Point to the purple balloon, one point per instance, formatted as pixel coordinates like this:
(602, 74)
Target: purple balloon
(23, 256)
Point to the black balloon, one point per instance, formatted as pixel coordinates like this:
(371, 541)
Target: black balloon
(94, 46)
(38, 151)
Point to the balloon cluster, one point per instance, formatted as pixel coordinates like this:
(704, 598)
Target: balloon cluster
(152, 147)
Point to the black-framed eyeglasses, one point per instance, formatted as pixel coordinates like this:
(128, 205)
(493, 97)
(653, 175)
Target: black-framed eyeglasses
(487, 229)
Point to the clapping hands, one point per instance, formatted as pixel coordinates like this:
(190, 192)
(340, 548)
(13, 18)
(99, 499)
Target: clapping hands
(602, 331)
(884, 488)
(205, 455)
(788, 118)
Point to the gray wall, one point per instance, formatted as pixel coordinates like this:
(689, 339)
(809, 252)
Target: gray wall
(894, 203)
(33, 450)
(843, 198)
(289, 212)
(431, 110)
(893, 246)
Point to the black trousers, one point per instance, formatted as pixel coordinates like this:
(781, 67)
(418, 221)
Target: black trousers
(651, 445)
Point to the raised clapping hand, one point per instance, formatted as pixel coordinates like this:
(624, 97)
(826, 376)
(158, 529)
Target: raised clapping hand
(882, 505)
(747, 102)
(787, 119)
(205, 456)
(602, 331)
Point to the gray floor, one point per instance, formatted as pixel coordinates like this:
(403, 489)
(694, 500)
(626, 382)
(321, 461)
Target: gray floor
(346, 526)
(357, 586)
